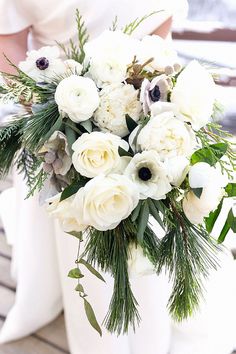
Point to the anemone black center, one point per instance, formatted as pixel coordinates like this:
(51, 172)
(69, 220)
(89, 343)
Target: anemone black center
(145, 174)
(155, 94)
(42, 63)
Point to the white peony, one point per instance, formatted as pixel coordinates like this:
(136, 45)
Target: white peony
(73, 67)
(116, 101)
(105, 201)
(65, 213)
(97, 153)
(138, 263)
(109, 56)
(177, 169)
(160, 50)
(194, 95)
(212, 182)
(77, 97)
(43, 64)
(149, 174)
(166, 135)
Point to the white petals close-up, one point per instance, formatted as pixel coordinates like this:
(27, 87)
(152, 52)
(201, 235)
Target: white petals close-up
(77, 97)
(106, 200)
(97, 153)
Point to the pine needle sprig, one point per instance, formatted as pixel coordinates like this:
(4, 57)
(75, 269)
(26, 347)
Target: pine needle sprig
(131, 27)
(40, 126)
(83, 35)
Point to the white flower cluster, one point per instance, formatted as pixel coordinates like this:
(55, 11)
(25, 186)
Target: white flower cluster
(124, 81)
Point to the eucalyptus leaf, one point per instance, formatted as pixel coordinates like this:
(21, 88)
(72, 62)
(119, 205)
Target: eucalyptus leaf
(143, 220)
(79, 288)
(210, 155)
(75, 274)
(72, 189)
(131, 124)
(91, 316)
(87, 125)
(230, 223)
(76, 234)
(197, 192)
(155, 213)
(92, 269)
(122, 152)
(71, 136)
(231, 189)
(211, 219)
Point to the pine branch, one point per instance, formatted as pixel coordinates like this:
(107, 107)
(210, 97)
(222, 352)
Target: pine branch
(40, 126)
(131, 27)
(83, 35)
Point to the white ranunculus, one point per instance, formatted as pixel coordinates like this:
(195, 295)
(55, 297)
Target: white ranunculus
(149, 174)
(77, 97)
(161, 51)
(106, 200)
(138, 263)
(202, 175)
(166, 135)
(73, 67)
(97, 153)
(116, 101)
(65, 213)
(109, 56)
(196, 209)
(177, 169)
(43, 64)
(194, 95)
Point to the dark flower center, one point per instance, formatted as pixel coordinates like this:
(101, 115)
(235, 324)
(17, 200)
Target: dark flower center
(145, 174)
(42, 63)
(155, 94)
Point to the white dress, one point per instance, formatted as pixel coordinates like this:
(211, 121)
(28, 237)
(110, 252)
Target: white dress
(43, 254)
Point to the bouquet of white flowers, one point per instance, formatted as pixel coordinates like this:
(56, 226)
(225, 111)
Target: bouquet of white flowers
(119, 137)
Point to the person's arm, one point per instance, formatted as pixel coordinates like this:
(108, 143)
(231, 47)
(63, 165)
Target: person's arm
(14, 46)
(164, 29)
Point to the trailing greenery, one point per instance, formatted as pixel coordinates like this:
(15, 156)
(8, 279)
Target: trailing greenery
(10, 143)
(39, 126)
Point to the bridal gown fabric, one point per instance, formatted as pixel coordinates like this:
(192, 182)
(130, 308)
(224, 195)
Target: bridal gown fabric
(43, 254)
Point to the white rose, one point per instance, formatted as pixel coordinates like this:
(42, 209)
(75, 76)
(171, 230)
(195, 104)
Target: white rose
(166, 135)
(160, 50)
(212, 182)
(105, 201)
(138, 263)
(196, 209)
(149, 174)
(73, 67)
(43, 64)
(65, 213)
(116, 101)
(202, 175)
(78, 97)
(177, 169)
(97, 153)
(109, 56)
(194, 95)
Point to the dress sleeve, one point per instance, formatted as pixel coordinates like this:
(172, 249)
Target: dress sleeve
(14, 18)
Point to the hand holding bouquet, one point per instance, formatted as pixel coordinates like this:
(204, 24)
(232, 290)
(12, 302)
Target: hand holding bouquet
(117, 138)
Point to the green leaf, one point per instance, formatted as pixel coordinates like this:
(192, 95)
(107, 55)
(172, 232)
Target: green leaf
(230, 223)
(211, 219)
(155, 213)
(87, 125)
(143, 220)
(197, 192)
(76, 234)
(122, 152)
(79, 288)
(210, 155)
(71, 137)
(75, 274)
(72, 189)
(92, 269)
(91, 317)
(135, 213)
(231, 189)
(131, 124)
